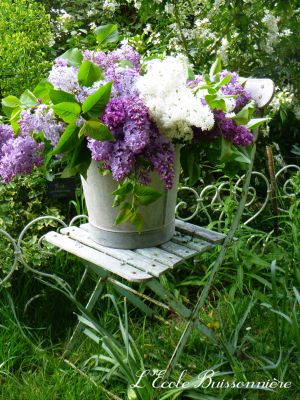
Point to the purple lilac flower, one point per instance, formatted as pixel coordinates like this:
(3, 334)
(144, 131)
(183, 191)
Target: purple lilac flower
(136, 138)
(161, 155)
(41, 119)
(128, 120)
(64, 78)
(98, 57)
(19, 156)
(124, 81)
(106, 60)
(235, 88)
(122, 161)
(101, 151)
(126, 52)
(143, 175)
(115, 114)
(237, 134)
(6, 133)
(198, 79)
(59, 62)
(240, 135)
(137, 126)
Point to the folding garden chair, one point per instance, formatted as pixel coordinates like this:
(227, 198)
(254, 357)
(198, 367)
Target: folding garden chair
(125, 270)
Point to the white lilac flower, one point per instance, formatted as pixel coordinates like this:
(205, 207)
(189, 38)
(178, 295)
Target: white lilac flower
(110, 5)
(147, 29)
(223, 51)
(285, 33)
(230, 104)
(169, 8)
(271, 23)
(172, 104)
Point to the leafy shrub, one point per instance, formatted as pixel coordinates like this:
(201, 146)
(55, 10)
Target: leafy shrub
(25, 36)
(21, 201)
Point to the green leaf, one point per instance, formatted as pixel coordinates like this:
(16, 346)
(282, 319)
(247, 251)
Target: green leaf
(256, 122)
(223, 82)
(125, 64)
(283, 115)
(80, 161)
(96, 130)
(240, 156)
(191, 74)
(226, 150)
(137, 220)
(118, 200)
(216, 67)
(124, 214)
(42, 90)
(89, 73)
(123, 189)
(215, 102)
(68, 140)
(95, 104)
(69, 112)
(73, 57)
(131, 394)
(146, 195)
(28, 99)
(190, 164)
(243, 116)
(14, 118)
(59, 96)
(107, 34)
(11, 102)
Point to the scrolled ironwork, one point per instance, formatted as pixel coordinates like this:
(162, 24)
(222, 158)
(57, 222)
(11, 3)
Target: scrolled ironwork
(209, 200)
(252, 193)
(287, 181)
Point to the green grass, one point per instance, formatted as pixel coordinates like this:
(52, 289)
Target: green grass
(31, 365)
(253, 308)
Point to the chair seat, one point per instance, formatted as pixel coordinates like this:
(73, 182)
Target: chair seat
(138, 265)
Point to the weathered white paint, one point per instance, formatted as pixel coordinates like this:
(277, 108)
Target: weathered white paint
(261, 90)
(199, 232)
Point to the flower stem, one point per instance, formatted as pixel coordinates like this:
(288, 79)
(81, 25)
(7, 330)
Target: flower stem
(183, 39)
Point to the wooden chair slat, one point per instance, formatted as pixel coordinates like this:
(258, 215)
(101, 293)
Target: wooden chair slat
(199, 232)
(178, 250)
(159, 255)
(98, 258)
(130, 257)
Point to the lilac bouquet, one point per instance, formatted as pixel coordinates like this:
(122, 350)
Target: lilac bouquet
(126, 115)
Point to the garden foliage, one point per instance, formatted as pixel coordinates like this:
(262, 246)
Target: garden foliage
(26, 39)
(254, 305)
(254, 37)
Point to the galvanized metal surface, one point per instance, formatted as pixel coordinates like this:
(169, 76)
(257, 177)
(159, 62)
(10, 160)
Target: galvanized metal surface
(158, 217)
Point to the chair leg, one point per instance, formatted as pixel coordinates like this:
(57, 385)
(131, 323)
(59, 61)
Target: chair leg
(180, 308)
(227, 242)
(89, 307)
